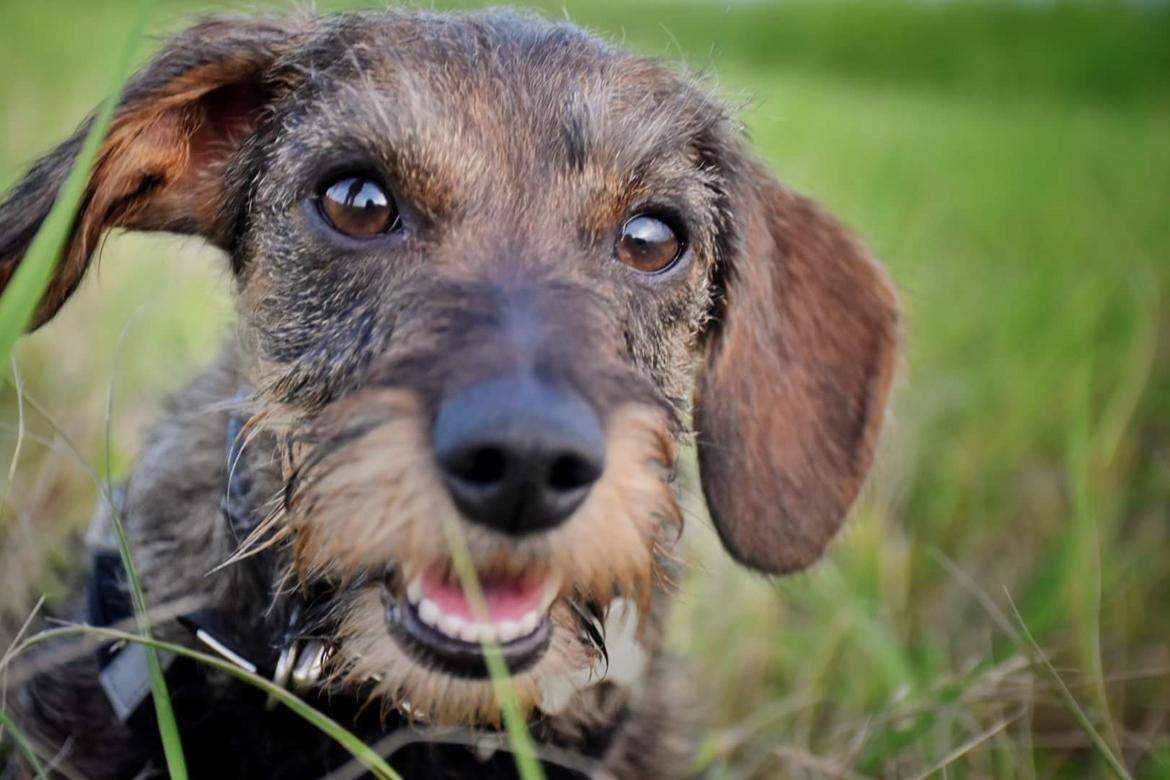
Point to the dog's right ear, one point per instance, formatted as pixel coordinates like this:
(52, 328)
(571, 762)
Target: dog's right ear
(160, 167)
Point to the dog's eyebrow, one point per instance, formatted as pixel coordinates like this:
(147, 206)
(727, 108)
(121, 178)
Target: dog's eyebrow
(629, 122)
(406, 128)
(410, 165)
(578, 128)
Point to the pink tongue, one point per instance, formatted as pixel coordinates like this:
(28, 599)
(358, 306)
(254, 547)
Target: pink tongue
(506, 599)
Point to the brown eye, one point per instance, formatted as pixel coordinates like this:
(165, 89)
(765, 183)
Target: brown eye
(648, 244)
(358, 207)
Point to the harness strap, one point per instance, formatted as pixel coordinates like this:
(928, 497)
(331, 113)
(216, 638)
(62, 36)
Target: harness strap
(124, 672)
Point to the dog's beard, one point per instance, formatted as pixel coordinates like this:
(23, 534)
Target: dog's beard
(365, 515)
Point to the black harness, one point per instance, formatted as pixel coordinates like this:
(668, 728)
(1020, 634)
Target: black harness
(124, 674)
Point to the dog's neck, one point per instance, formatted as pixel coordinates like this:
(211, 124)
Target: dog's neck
(261, 650)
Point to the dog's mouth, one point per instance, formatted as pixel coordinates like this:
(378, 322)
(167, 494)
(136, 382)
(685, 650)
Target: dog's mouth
(432, 619)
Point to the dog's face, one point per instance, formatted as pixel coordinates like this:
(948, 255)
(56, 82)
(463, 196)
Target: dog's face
(488, 270)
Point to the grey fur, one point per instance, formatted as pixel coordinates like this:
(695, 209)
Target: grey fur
(516, 148)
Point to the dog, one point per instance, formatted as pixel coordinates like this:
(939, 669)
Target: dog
(492, 275)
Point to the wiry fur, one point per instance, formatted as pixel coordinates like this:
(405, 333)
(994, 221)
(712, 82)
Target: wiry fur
(515, 149)
(382, 493)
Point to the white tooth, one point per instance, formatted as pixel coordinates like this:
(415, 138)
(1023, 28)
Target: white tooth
(469, 632)
(528, 623)
(488, 633)
(428, 612)
(450, 625)
(507, 631)
(414, 591)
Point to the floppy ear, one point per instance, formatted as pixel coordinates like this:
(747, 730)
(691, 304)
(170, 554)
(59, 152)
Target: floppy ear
(160, 167)
(793, 388)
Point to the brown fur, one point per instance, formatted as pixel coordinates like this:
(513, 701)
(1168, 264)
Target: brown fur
(816, 328)
(515, 148)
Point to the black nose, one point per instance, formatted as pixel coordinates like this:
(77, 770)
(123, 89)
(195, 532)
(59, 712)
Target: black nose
(517, 454)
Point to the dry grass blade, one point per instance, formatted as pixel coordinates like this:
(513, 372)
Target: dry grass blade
(4, 657)
(58, 656)
(20, 432)
(1115, 766)
(966, 747)
(458, 735)
(823, 767)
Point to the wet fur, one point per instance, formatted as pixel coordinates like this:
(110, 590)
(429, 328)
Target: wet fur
(516, 148)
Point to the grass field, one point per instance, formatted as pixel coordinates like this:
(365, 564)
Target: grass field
(1011, 165)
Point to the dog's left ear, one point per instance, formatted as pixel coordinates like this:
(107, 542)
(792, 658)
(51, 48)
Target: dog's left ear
(161, 165)
(793, 388)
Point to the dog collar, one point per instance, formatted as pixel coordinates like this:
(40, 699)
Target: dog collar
(124, 674)
(299, 663)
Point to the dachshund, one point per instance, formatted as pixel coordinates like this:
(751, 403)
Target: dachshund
(492, 276)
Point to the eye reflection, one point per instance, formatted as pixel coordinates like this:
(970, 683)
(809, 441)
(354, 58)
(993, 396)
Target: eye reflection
(358, 206)
(648, 244)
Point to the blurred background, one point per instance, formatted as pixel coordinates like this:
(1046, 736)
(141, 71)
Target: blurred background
(1011, 165)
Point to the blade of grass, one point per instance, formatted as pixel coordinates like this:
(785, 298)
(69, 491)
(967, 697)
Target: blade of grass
(28, 621)
(19, 387)
(523, 750)
(164, 712)
(466, 736)
(22, 744)
(1084, 589)
(168, 726)
(940, 767)
(331, 728)
(16, 310)
(32, 276)
(823, 767)
(1070, 702)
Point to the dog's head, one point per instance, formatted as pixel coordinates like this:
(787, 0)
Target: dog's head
(490, 271)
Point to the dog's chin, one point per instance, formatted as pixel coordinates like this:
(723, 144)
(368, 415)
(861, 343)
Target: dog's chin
(421, 649)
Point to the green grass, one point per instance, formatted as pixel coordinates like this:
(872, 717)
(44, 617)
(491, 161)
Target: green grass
(17, 305)
(1011, 166)
(361, 752)
(520, 741)
(22, 745)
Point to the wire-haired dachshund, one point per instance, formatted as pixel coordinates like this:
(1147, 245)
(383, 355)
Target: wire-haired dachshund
(491, 275)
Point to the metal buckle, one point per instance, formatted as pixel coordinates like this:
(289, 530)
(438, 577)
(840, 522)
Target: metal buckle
(306, 672)
(299, 667)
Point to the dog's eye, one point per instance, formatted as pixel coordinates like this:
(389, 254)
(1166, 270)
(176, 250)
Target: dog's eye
(358, 207)
(648, 244)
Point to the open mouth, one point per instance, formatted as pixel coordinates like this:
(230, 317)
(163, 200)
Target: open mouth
(434, 622)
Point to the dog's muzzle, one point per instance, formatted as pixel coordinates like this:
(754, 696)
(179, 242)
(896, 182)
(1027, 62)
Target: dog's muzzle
(518, 455)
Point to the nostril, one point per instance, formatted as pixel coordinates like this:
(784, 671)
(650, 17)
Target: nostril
(517, 455)
(480, 466)
(571, 471)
